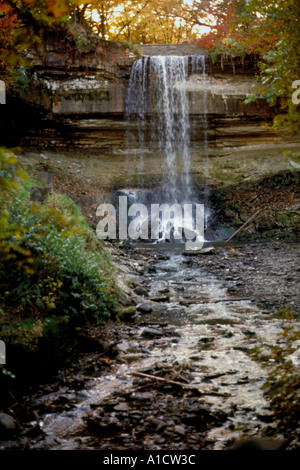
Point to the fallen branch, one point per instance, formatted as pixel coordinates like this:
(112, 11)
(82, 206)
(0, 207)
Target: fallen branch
(244, 225)
(180, 384)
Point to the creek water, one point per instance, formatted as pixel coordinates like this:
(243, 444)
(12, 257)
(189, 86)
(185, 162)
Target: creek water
(189, 320)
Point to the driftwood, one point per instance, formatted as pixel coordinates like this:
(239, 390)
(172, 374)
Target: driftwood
(180, 384)
(244, 225)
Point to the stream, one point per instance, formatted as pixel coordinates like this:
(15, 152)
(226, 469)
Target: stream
(193, 329)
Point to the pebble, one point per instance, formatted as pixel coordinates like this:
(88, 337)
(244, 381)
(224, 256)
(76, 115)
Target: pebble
(150, 333)
(7, 423)
(145, 307)
(142, 396)
(121, 407)
(139, 290)
(179, 430)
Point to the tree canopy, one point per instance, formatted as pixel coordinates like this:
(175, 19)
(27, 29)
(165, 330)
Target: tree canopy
(269, 30)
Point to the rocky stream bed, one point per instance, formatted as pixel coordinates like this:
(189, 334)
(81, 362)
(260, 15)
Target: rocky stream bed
(177, 374)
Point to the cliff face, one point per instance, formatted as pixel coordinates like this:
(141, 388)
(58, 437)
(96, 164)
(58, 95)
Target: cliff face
(77, 74)
(79, 84)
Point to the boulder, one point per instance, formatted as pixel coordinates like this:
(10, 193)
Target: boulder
(7, 424)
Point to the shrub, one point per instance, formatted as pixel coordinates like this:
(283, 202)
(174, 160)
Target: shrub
(53, 269)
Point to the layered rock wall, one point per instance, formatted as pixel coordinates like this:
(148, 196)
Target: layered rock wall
(89, 76)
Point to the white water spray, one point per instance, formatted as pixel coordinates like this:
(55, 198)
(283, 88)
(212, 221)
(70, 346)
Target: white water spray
(158, 98)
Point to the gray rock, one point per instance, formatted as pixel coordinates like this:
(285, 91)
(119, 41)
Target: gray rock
(7, 423)
(121, 407)
(150, 333)
(196, 251)
(160, 298)
(145, 307)
(257, 444)
(179, 430)
(125, 299)
(139, 290)
(142, 396)
(157, 423)
(45, 177)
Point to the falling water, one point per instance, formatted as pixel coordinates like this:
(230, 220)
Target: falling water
(158, 100)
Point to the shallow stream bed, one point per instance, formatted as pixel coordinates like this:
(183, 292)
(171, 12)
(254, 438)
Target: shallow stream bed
(182, 376)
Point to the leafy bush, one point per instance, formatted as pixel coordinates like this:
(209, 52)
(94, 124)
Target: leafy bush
(53, 269)
(282, 387)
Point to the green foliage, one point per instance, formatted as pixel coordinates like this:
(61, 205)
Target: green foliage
(270, 31)
(282, 387)
(126, 314)
(132, 47)
(12, 248)
(279, 66)
(85, 42)
(53, 268)
(284, 219)
(21, 80)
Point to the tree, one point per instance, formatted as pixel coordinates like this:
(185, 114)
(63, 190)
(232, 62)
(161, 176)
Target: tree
(278, 25)
(21, 25)
(8, 26)
(269, 30)
(148, 21)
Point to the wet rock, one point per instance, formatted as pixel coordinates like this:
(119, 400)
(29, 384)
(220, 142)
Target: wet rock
(172, 333)
(125, 299)
(121, 407)
(139, 290)
(178, 429)
(7, 424)
(151, 333)
(205, 340)
(140, 269)
(257, 444)
(142, 396)
(160, 308)
(145, 307)
(152, 269)
(202, 251)
(160, 298)
(106, 427)
(155, 422)
(249, 333)
(266, 416)
(228, 335)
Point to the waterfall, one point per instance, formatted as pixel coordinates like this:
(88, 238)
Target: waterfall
(158, 101)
